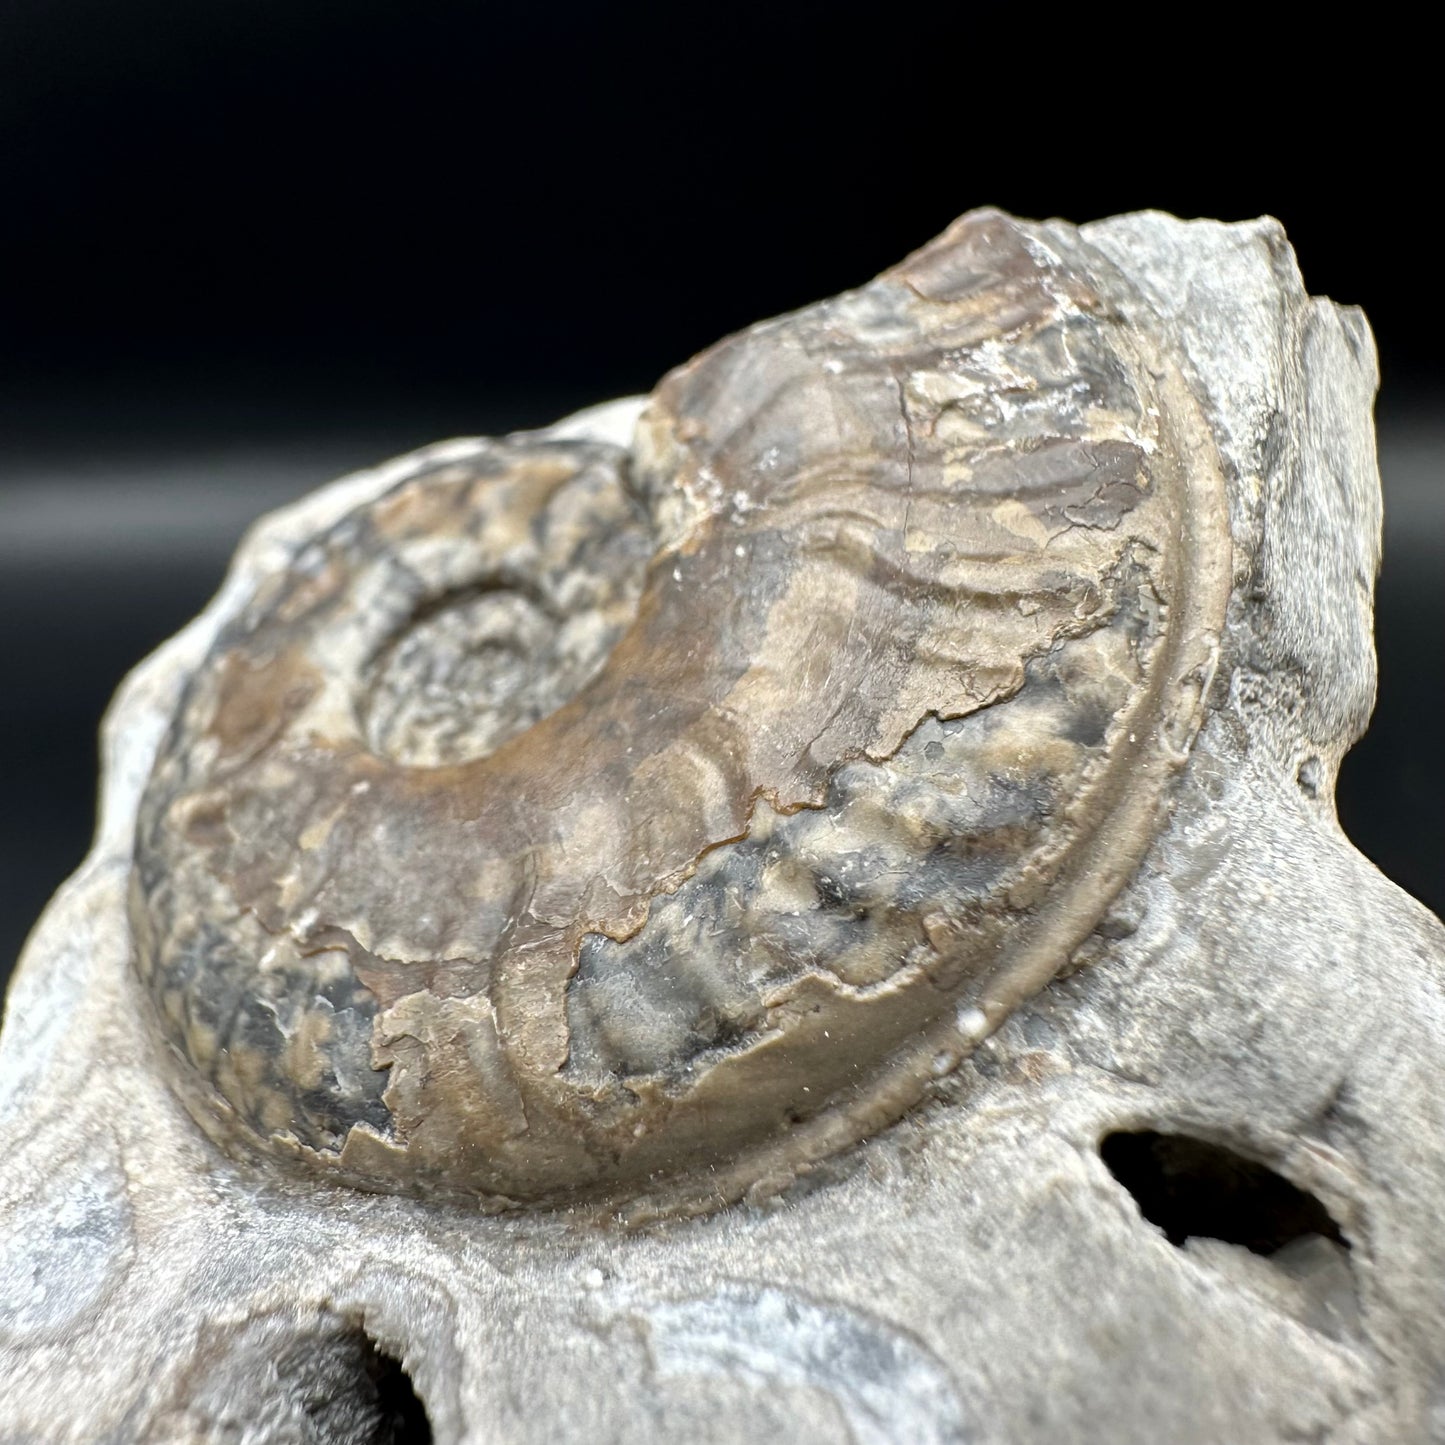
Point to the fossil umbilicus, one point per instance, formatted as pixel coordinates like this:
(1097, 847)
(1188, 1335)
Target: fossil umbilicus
(552, 863)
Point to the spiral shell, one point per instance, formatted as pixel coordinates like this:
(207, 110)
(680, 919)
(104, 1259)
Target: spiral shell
(641, 824)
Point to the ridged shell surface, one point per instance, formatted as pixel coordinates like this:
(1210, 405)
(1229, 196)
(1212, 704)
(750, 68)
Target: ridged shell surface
(644, 824)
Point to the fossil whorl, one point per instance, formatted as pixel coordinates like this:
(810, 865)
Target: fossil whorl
(649, 822)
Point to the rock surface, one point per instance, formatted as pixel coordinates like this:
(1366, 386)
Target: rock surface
(1186, 1192)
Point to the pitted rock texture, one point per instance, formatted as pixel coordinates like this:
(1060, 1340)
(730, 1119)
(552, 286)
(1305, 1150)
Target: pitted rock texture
(571, 818)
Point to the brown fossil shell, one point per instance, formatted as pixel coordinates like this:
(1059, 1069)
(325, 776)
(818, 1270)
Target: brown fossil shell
(571, 821)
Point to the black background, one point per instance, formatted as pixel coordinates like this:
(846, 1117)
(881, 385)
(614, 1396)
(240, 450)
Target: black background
(247, 244)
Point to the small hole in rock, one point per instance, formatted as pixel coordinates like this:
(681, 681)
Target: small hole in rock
(1311, 777)
(401, 1417)
(313, 1377)
(1192, 1189)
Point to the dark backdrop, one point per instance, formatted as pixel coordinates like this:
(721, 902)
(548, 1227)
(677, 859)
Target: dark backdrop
(247, 244)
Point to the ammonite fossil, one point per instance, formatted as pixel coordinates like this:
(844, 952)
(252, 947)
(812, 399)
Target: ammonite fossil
(577, 821)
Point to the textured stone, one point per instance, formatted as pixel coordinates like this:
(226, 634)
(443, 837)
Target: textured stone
(1185, 1191)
